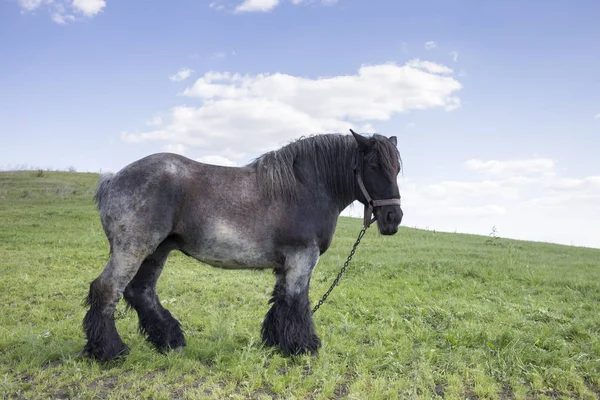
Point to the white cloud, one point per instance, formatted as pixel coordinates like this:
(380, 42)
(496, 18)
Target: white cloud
(454, 55)
(429, 66)
(597, 116)
(155, 121)
(181, 75)
(89, 7)
(559, 201)
(215, 4)
(222, 54)
(266, 5)
(591, 183)
(217, 160)
(479, 211)
(510, 188)
(30, 5)
(62, 19)
(257, 5)
(375, 93)
(254, 113)
(569, 194)
(256, 125)
(430, 45)
(64, 11)
(175, 148)
(512, 167)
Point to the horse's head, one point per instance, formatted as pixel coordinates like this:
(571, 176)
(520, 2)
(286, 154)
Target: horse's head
(376, 175)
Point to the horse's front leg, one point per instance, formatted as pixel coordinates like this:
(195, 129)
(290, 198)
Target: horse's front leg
(289, 323)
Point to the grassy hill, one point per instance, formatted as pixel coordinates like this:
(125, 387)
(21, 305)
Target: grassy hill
(421, 314)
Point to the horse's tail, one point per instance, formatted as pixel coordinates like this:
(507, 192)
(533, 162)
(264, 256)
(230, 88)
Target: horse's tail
(103, 184)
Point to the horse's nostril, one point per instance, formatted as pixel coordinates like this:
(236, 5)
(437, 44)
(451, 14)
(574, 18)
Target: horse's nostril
(390, 217)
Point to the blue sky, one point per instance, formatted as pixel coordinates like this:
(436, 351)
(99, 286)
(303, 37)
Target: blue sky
(496, 105)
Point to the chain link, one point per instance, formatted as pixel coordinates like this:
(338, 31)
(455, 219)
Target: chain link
(337, 279)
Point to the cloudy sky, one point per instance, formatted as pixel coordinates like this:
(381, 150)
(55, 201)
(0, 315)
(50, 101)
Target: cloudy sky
(496, 104)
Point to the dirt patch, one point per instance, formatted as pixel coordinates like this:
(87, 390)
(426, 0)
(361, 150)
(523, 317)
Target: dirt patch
(553, 394)
(341, 390)
(440, 390)
(507, 393)
(104, 383)
(26, 377)
(593, 387)
(262, 393)
(469, 395)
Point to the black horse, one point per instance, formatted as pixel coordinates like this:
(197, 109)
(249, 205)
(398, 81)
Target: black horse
(279, 212)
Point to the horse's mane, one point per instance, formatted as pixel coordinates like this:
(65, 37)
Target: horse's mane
(334, 158)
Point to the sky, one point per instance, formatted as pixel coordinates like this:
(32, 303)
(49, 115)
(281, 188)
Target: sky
(495, 104)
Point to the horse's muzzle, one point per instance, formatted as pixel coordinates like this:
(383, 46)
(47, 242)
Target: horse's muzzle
(388, 219)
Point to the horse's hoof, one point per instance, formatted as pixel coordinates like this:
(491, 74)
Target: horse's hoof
(106, 354)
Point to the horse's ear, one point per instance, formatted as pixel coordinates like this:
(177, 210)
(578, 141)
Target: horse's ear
(363, 142)
(394, 140)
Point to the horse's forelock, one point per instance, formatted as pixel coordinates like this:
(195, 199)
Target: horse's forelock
(388, 155)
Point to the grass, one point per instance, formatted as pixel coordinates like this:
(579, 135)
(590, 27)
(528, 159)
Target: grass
(421, 314)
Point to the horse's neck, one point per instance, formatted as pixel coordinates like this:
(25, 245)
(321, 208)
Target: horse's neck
(342, 195)
(346, 201)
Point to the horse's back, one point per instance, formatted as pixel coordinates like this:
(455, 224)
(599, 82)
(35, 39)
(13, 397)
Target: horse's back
(145, 196)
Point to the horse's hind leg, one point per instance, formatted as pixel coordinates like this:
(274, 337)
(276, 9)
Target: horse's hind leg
(162, 330)
(103, 341)
(289, 324)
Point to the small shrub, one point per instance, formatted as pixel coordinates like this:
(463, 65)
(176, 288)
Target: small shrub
(493, 239)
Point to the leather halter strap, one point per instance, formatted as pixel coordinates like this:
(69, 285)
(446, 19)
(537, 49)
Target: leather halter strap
(371, 204)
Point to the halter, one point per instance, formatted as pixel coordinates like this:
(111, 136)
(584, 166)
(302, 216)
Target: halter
(371, 204)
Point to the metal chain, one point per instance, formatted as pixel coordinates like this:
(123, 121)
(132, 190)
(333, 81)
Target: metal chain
(336, 280)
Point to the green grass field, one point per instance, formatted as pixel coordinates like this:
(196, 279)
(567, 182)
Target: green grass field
(421, 314)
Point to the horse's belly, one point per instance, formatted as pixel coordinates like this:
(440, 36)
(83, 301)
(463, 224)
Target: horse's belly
(235, 258)
(236, 263)
(225, 246)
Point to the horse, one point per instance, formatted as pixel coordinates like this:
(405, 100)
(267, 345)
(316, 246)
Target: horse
(277, 212)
